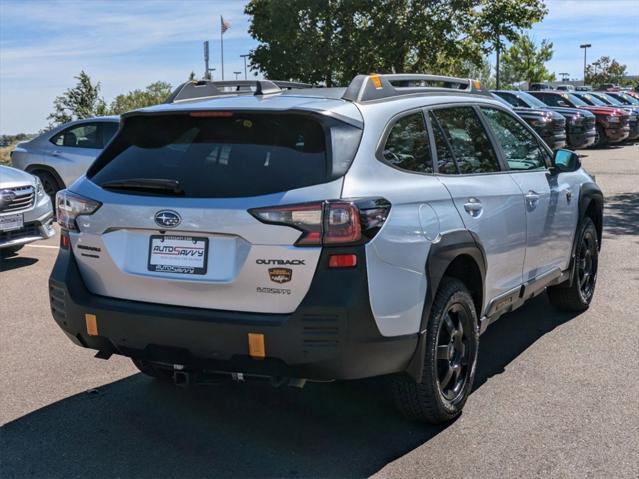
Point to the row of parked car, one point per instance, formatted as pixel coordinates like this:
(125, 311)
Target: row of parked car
(576, 119)
(573, 119)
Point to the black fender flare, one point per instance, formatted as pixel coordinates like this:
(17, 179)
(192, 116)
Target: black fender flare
(442, 253)
(38, 167)
(589, 192)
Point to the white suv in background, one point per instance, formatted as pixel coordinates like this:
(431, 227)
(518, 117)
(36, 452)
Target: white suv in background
(60, 156)
(26, 214)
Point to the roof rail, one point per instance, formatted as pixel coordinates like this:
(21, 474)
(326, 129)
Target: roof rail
(196, 89)
(376, 87)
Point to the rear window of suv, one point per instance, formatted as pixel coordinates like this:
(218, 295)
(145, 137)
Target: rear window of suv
(229, 155)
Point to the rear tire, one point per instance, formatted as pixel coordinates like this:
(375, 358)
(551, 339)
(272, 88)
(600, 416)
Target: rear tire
(576, 297)
(152, 370)
(452, 344)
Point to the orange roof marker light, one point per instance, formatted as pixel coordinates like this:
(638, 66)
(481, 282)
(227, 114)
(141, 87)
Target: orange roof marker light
(476, 84)
(377, 81)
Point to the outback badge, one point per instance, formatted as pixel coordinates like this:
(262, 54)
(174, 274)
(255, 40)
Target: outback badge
(280, 275)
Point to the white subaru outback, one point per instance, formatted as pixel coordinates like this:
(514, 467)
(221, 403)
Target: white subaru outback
(263, 230)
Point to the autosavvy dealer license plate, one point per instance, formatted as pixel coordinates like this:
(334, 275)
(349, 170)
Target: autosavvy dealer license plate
(178, 254)
(11, 222)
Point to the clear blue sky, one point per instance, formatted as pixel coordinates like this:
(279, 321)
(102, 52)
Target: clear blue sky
(127, 44)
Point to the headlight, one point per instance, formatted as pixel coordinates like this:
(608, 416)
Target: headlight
(540, 122)
(70, 205)
(612, 119)
(576, 120)
(39, 189)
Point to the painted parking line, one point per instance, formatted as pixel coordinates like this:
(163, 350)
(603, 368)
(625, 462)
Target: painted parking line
(41, 246)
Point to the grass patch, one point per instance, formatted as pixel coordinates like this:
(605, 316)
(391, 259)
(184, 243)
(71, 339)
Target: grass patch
(5, 154)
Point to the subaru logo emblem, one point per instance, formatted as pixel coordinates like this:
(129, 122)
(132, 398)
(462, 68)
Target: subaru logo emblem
(167, 219)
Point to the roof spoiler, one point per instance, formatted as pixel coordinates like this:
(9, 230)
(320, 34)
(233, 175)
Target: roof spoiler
(376, 87)
(198, 89)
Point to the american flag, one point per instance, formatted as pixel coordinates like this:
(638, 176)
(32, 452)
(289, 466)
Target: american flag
(225, 24)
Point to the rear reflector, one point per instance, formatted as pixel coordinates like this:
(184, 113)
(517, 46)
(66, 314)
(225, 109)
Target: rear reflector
(92, 324)
(257, 350)
(342, 261)
(65, 242)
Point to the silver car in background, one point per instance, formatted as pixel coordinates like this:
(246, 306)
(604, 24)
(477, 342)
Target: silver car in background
(61, 155)
(26, 214)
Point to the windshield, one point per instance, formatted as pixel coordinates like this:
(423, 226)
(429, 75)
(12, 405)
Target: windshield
(627, 98)
(592, 100)
(226, 154)
(610, 99)
(574, 99)
(530, 100)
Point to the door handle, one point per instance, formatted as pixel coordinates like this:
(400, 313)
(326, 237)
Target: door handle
(568, 193)
(473, 207)
(57, 153)
(532, 196)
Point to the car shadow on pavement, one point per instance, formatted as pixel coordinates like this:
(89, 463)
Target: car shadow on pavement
(621, 214)
(15, 262)
(137, 427)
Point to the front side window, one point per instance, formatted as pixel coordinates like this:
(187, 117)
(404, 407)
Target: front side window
(465, 134)
(79, 136)
(407, 145)
(520, 147)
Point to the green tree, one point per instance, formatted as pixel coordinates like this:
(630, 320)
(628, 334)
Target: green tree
(605, 70)
(525, 61)
(81, 101)
(153, 94)
(330, 41)
(500, 20)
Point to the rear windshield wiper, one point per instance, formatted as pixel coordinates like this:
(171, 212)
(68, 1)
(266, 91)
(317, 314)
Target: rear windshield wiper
(151, 185)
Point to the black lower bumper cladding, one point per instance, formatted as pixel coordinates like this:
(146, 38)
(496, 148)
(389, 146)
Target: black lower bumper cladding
(332, 335)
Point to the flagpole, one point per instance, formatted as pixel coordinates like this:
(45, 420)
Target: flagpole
(222, 44)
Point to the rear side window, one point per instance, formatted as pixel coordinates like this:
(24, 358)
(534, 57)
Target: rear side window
(407, 145)
(79, 136)
(229, 155)
(108, 130)
(464, 132)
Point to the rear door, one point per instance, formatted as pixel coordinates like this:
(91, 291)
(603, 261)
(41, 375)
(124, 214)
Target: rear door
(488, 200)
(551, 215)
(198, 244)
(74, 149)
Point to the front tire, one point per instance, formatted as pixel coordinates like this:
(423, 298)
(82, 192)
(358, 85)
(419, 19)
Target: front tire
(600, 138)
(452, 345)
(576, 297)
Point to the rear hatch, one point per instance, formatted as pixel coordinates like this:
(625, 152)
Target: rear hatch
(174, 225)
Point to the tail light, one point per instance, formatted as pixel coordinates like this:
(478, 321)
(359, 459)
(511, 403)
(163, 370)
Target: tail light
(333, 222)
(70, 205)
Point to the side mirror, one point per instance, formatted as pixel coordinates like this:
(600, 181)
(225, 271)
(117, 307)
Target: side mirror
(566, 160)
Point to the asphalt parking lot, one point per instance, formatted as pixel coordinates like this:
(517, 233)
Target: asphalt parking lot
(556, 395)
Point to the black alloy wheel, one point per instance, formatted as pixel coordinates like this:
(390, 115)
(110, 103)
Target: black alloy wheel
(587, 265)
(453, 352)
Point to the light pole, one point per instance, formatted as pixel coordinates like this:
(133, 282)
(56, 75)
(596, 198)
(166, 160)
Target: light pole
(585, 46)
(244, 56)
(236, 74)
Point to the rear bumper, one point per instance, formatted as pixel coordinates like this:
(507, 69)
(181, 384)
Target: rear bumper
(332, 335)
